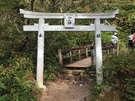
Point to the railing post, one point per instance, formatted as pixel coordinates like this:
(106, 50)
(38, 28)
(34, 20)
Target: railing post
(117, 49)
(79, 51)
(60, 57)
(92, 57)
(108, 51)
(70, 57)
(86, 52)
(114, 50)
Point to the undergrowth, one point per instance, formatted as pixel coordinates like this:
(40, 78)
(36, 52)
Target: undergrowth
(119, 71)
(16, 80)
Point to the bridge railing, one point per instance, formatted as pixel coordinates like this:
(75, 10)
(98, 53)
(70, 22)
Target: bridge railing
(72, 52)
(110, 49)
(78, 51)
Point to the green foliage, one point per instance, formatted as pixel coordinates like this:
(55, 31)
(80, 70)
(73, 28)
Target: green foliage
(11, 5)
(16, 81)
(52, 68)
(106, 37)
(95, 92)
(119, 72)
(2, 87)
(130, 89)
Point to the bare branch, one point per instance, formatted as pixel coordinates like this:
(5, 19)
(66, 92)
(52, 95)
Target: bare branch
(58, 3)
(32, 4)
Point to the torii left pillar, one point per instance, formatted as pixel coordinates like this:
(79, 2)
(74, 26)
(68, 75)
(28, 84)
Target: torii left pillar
(40, 54)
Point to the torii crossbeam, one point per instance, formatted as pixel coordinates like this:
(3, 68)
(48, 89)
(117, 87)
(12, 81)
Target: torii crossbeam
(69, 25)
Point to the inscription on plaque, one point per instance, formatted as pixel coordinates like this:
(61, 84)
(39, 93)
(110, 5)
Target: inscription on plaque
(69, 20)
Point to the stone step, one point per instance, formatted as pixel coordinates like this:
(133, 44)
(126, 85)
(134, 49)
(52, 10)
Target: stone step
(78, 72)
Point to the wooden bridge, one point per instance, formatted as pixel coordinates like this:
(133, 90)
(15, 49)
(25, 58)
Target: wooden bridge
(81, 57)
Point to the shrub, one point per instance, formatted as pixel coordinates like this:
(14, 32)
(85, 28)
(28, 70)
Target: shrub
(16, 81)
(119, 71)
(52, 68)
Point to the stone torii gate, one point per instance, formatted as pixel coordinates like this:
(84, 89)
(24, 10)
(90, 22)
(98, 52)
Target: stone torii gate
(69, 25)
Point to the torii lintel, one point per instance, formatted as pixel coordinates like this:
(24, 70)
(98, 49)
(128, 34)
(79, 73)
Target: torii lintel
(37, 15)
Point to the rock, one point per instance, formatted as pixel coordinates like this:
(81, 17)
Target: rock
(106, 89)
(108, 95)
(80, 84)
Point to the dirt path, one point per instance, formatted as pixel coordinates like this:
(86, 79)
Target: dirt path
(68, 89)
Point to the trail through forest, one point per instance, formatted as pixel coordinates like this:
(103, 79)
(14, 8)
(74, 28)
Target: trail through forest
(68, 88)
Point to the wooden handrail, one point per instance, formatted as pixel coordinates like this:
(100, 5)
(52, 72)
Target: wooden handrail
(76, 48)
(79, 53)
(107, 47)
(68, 56)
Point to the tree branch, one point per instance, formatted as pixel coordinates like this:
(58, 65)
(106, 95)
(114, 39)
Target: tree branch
(58, 3)
(32, 5)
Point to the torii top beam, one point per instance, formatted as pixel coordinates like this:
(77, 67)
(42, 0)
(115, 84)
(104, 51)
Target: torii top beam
(37, 15)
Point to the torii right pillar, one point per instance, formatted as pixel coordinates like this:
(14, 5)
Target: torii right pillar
(98, 47)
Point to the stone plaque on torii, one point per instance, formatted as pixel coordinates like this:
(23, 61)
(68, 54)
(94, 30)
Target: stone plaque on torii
(69, 25)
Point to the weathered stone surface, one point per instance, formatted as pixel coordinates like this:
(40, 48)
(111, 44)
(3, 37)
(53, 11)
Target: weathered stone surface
(37, 15)
(81, 28)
